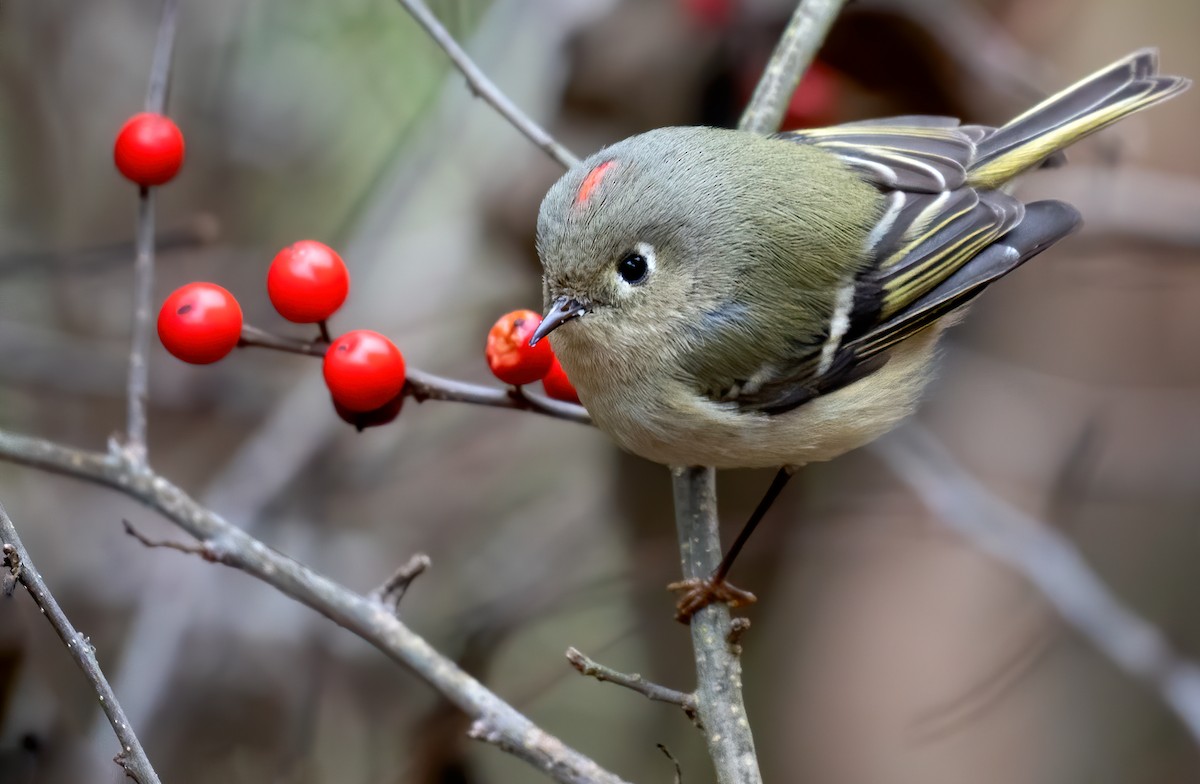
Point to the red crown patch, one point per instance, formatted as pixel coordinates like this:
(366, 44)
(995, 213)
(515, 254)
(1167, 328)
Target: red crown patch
(591, 182)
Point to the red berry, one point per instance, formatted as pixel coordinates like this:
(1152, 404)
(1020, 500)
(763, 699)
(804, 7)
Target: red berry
(363, 370)
(200, 323)
(307, 282)
(557, 385)
(710, 13)
(815, 102)
(373, 418)
(149, 149)
(509, 354)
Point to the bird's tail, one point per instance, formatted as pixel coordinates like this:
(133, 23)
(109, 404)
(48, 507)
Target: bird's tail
(1098, 101)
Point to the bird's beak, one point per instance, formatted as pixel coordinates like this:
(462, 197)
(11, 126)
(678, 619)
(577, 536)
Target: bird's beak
(563, 310)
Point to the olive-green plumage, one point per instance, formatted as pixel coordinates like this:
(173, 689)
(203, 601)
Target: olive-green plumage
(723, 298)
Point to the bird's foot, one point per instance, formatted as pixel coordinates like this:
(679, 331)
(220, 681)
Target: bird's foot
(696, 594)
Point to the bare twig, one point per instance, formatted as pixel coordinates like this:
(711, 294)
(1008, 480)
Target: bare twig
(737, 629)
(225, 543)
(143, 292)
(422, 386)
(143, 263)
(426, 386)
(160, 66)
(484, 87)
(393, 589)
(259, 338)
(795, 51)
(718, 668)
(634, 682)
(674, 762)
(168, 544)
(1049, 561)
(132, 757)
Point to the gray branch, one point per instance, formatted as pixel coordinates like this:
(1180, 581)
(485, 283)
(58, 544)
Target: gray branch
(484, 87)
(718, 667)
(139, 344)
(714, 636)
(793, 54)
(1050, 562)
(143, 262)
(634, 682)
(495, 720)
(160, 66)
(18, 566)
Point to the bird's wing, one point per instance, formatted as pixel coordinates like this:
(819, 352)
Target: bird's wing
(913, 154)
(938, 243)
(946, 231)
(1042, 224)
(920, 243)
(942, 271)
(918, 154)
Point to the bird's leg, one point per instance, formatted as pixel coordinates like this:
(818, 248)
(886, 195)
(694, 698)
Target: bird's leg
(696, 593)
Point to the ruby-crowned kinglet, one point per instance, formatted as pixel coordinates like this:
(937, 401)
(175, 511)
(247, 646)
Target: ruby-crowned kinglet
(728, 299)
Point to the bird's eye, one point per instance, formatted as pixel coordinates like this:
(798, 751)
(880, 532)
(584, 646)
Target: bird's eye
(633, 268)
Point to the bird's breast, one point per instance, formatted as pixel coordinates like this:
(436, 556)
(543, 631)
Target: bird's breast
(649, 410)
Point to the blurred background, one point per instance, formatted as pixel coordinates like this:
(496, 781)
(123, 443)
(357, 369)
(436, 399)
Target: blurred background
(882, 650)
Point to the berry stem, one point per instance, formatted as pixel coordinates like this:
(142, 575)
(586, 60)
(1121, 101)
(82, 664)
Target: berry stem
(253, 336)
(324, 327)
(422, 386)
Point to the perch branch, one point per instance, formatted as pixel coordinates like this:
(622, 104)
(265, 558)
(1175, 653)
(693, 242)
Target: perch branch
(715, 640)
(484, 87)
(633, 682)
(797, 47)
(225, 543)
(1050, 562)
(718, 668)
(18, 566)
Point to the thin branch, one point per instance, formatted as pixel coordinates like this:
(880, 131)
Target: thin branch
(139, 346)
(1049, 561)
(634, 682)
(259, 338)
(674, 762)
(393, 589)
(422, 386)
(426, 386)
(168, 544)
(160, 66)
(143, 263)
(227, 544)
(18, 565)
(718, 668)
(793, 54)
(484, 87)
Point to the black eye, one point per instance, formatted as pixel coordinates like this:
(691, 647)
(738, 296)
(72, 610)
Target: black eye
(633, 268)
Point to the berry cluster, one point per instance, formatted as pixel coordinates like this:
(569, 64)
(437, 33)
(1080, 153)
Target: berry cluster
(308, 282)
(515, 362)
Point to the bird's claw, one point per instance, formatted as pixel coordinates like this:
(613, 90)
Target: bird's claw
(697, 593)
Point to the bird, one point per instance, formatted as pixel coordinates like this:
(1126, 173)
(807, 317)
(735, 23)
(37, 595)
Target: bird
(737, 300)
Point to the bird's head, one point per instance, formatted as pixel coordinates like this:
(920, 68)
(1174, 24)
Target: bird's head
(623, 235)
